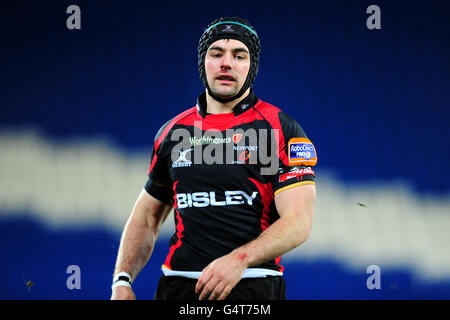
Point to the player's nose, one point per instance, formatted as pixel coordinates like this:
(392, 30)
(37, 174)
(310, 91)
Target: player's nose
(225, 63)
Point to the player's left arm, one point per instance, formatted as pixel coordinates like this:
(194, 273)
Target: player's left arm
(295, 207)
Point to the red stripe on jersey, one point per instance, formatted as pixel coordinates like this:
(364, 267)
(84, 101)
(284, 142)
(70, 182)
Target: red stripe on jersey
(166, 131)
(180, 229)
(155, 157)
(172, 123)
(266, 192)
(220, 122)
(270, 113)
(277, 261)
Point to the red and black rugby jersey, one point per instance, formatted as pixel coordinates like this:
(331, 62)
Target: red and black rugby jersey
(221, 173)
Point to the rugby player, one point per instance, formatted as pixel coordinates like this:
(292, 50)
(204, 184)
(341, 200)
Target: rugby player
(237, 213)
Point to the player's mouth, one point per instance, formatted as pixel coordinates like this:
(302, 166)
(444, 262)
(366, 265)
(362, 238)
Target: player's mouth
(225, 79)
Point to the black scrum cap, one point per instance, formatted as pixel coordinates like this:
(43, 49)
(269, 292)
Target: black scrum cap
(230, 28)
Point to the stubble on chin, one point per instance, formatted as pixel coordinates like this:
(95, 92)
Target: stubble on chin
(224, 93)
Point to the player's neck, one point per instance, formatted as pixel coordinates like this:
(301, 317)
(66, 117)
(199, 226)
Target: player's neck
(215, 107)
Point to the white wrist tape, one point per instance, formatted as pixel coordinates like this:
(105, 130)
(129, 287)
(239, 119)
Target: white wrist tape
(122, 279)
(120, 283)
(123, 274)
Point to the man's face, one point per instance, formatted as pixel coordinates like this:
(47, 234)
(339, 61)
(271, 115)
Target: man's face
(227, 63)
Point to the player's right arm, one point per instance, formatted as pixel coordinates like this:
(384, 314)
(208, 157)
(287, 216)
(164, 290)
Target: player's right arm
(149, 212)
(138, 239)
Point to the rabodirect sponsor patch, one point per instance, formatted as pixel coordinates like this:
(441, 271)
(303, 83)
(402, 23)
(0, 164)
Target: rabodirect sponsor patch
(302, 152)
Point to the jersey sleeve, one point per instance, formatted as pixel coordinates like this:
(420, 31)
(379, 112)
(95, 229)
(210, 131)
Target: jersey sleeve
(159, 183)
(298, 156)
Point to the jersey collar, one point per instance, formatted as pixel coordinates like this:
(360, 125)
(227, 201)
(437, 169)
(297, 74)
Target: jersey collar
(238, 109)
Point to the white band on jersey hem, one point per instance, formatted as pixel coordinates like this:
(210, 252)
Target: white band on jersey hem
(248, 273)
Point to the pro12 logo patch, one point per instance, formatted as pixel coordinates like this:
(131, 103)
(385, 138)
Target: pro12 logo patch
(302, 152)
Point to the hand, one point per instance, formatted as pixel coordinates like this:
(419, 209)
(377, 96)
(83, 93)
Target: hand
(123, 293)
(220, 277)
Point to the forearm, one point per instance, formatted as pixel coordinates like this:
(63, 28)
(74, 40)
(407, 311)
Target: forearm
(221, 275)
(140, 234)
(282, 236)
(295, 207)
(138, 240)
(136, 246)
